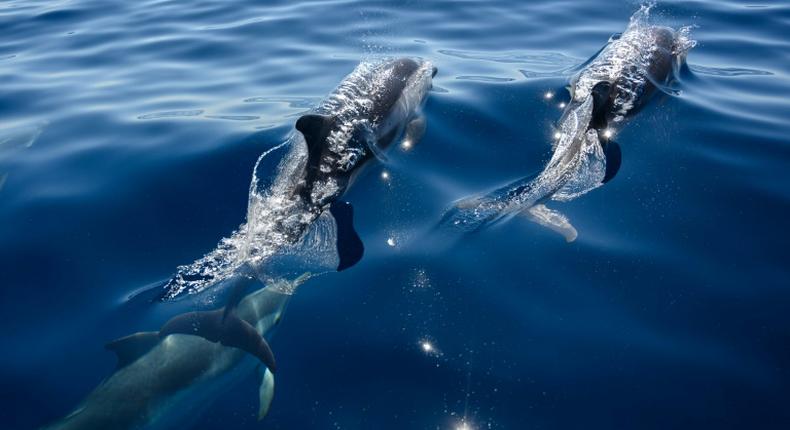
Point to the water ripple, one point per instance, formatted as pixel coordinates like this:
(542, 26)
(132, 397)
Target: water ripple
(292, 102)
(483, 78)
(171, 114)
(728, 71)
(546, 58)
(234, 117)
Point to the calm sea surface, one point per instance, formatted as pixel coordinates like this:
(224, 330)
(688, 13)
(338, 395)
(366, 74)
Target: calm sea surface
(128, 135)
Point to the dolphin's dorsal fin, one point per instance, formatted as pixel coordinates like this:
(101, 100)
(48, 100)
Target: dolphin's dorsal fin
(240, 334)
(130, 348)
(227, 329)
(601, 95)
(349, 246)
(265, 393)
(314, 127)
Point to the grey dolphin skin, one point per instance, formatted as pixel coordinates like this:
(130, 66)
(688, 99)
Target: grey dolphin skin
(160, 374)
(612, 86)
(342, 137)
(625, 75)
(373, 107)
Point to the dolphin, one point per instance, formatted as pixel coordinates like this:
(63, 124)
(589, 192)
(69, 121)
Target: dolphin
(169, 371)
(612, 86)
(376, 105)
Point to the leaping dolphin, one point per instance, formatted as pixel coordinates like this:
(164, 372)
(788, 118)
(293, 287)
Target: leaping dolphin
(615, 84)
(373, 107)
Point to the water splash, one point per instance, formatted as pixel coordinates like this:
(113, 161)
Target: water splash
(275, 217)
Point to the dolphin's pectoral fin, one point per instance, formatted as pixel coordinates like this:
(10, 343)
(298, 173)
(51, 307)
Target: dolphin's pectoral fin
(349, 246)
(265, 393)
(225, 328)
(130, 348)
(613, 159)
(415, 129)
(380, 145)
(240, 334)
(553, 220)
(206, 324)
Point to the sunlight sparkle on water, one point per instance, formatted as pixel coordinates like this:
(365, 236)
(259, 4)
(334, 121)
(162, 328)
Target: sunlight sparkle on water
(548, 95)
(406, 145)
(557, 135)
(562, 105)
(608, 133)
(429, 347)
(385, 175)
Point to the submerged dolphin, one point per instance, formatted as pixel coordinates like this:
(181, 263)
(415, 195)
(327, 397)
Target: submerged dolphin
(618, 81)
(160, 374)
(373, 107)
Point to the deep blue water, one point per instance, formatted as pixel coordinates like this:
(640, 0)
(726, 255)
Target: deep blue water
(128, 134)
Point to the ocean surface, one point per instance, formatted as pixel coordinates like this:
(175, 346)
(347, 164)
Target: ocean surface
(128, 136)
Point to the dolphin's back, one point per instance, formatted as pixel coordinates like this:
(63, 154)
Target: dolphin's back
(370, 91)
(394, 82)
(634, 65)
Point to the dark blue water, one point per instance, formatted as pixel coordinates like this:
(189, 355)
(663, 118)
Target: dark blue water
(128, 134)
